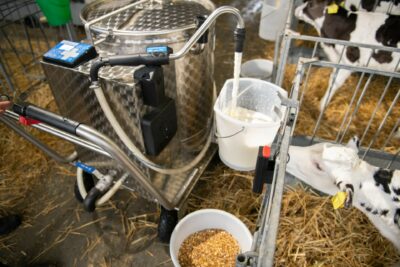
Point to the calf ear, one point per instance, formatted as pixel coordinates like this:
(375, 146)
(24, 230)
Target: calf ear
(354, 143)
(368, 4)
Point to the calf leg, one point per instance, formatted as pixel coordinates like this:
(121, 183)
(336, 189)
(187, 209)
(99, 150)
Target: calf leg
(335, 82)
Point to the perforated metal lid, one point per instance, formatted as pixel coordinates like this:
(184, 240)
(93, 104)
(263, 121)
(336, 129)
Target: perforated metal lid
(153, 16)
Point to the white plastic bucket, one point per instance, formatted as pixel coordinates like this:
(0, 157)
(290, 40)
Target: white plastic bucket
(239, 139)
(257, 68)
(209, 219)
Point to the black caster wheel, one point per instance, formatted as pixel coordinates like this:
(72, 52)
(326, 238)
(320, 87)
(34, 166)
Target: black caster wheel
(168, 221)
(88, 182)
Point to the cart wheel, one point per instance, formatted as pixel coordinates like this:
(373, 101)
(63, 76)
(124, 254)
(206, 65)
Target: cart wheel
(88, 181)
(168, 221)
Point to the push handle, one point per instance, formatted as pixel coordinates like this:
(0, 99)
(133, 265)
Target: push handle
(33, 112)
(136, 60)
(126, 60)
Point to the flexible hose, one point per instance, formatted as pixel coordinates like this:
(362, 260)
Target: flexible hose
(134, 150)
(81, 185)
(112, 190)
(103, 199)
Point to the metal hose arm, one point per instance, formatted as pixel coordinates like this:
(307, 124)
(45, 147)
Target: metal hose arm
(239, 33)
(135, 60)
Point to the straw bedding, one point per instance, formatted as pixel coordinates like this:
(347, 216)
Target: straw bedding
(311, 233)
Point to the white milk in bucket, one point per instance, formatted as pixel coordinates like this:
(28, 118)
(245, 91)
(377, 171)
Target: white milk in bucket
(253, 122)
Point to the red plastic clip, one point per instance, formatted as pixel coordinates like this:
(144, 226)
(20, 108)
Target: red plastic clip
(266, 152)
(27, 122)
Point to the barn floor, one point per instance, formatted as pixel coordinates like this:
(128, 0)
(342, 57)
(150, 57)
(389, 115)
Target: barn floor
(57, 230)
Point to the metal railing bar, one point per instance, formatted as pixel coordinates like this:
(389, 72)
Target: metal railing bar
(341, 42)
(368, 70)
(378, 131)
(5, 74)
(378, 105)
(304, 86)
(341, 54)
(353, 98)
(13, 48)
(391, 134)
(321, 114)
(360, 98)
(28, 37)
(282, 63)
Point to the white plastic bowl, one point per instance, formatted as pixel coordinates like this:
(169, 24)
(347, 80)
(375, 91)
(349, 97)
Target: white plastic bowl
(208, 219)
(257, 68)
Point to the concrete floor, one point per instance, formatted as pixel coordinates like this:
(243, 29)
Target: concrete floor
(56, 228)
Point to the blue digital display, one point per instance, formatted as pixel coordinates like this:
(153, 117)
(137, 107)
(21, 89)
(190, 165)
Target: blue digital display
(157, 49)
(67, 51)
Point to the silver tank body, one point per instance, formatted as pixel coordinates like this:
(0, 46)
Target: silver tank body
(168, 22)
(189, 81)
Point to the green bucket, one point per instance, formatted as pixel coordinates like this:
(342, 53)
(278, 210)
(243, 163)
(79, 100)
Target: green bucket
(57, 12)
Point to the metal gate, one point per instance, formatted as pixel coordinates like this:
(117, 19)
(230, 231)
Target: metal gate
(25, 38)
(371, 111)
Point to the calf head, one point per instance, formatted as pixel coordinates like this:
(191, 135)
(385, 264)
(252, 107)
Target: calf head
(313, 11)
(323, 165)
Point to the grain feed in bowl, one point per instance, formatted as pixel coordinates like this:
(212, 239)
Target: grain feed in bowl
(211, 247)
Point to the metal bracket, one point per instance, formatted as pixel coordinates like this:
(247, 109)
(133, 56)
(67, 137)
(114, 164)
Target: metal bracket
(290, 103)
(247, 259)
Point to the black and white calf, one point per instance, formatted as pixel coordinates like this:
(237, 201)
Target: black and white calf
(330, 168)
(383, 6)
(359, 27)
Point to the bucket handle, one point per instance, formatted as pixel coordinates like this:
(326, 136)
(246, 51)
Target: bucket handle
(232, 135)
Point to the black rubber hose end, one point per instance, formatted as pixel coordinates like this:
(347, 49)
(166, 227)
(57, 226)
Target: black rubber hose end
(199, 21)
(89, 204)
(95, 68)
(19, 108)
(240, 35)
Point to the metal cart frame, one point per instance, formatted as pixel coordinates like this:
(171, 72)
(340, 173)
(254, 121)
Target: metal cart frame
(94, 140)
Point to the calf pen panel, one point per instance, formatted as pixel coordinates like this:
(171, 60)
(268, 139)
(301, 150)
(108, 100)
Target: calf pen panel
(374, 115)
(367, 106)
(361, 100)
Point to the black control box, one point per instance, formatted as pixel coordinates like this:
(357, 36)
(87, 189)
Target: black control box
(159, 127)
(151, 80)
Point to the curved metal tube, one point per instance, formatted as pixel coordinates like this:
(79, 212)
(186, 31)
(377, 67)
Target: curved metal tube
(203, 28)
(117, 154)
(50, 152)
(56, 132)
